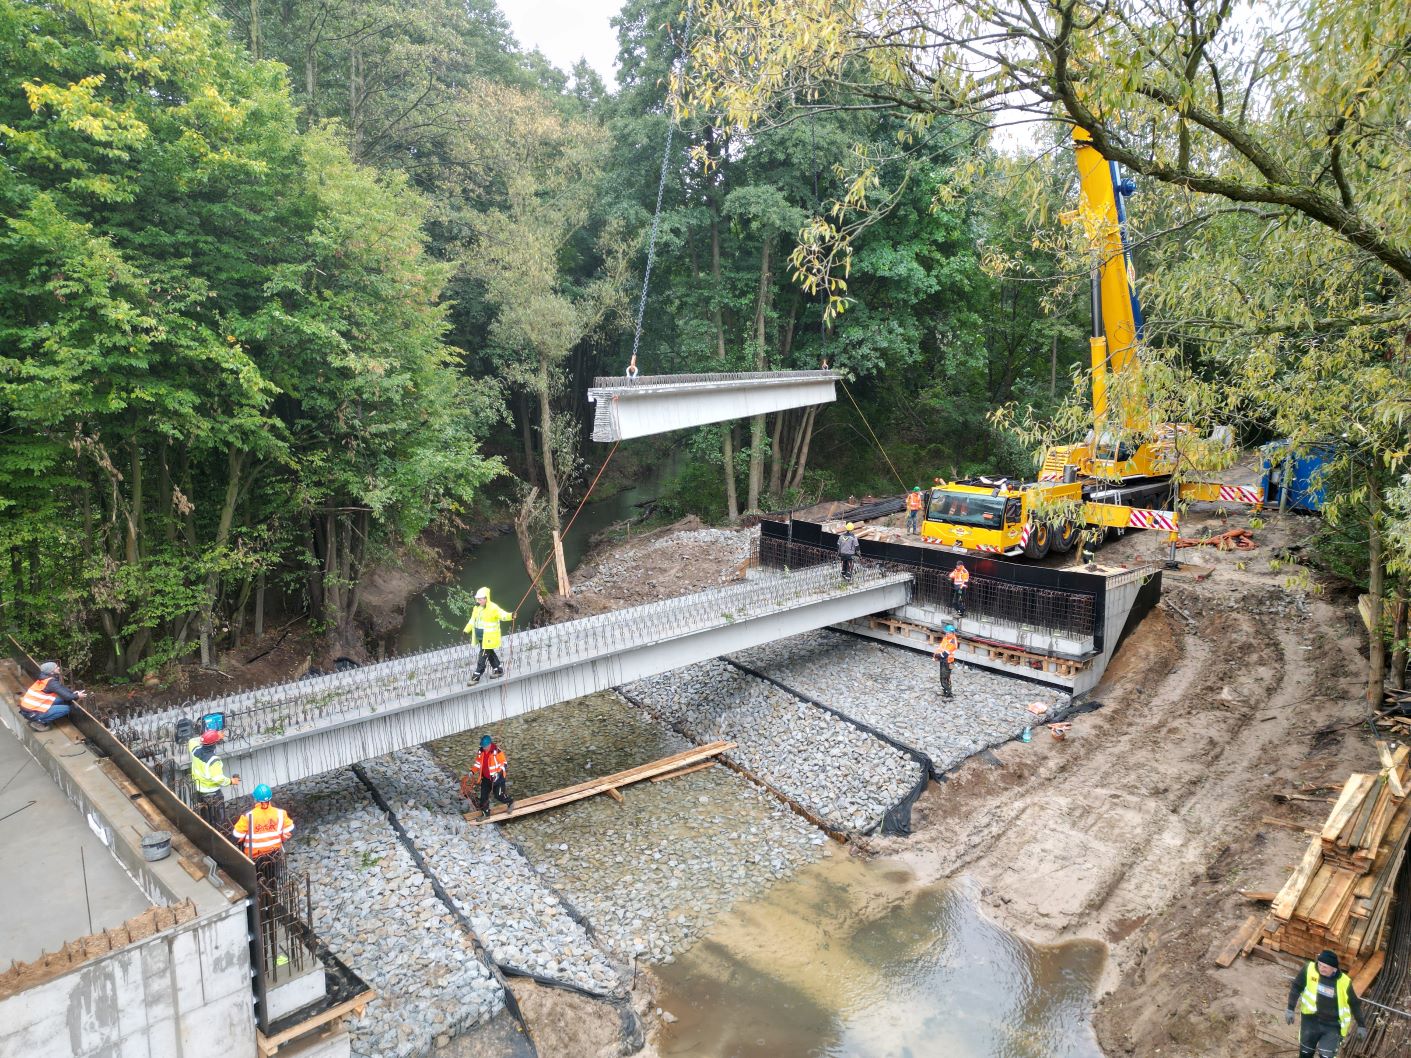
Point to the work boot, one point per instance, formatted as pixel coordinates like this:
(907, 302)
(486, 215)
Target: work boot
(38, 725)
(474, 679)
(509, 805)
(485, 813)
(498, 673)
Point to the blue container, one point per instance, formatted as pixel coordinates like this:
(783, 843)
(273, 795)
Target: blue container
(1305, 476)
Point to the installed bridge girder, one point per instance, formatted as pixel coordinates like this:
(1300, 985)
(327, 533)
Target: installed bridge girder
(282, 734)
(638, 407)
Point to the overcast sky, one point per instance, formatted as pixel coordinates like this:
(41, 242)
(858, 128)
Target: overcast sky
(568, 30)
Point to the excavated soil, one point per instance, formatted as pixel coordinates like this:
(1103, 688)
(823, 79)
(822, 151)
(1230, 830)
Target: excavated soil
(1242, 686)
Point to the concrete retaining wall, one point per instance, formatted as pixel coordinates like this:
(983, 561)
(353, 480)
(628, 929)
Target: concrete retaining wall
(182, 992)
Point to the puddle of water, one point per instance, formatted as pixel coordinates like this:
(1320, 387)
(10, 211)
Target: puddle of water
(851, 960)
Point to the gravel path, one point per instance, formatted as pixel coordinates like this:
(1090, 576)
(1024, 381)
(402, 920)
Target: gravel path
(524, 925)
(845, 775)
(377, 911)
(897, 692)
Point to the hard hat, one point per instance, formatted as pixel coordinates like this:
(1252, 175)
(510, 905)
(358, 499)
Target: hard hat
(482, 593)
(263, 793)
(210, 738)
(950, 628)
(484, 741)
(49, 668)
(916, 488)
(849, 527)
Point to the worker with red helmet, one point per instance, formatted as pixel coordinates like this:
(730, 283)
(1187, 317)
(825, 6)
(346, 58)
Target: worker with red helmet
(208, 777)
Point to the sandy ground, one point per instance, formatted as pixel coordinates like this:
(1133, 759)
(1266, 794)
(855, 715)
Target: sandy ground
(1140, 827)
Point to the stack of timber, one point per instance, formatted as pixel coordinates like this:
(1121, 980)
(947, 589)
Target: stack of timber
(1340, 895)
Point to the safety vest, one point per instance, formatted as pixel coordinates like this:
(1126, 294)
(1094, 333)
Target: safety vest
(262, 831)
(913, 501)
(960, 576)
(491, 763)
(37, 699)
(1308, 1004)
(950, 643)
(485, 624)
(207, 775)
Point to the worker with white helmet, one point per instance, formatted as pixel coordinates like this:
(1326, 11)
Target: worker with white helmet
(47, 699)
(484, 626)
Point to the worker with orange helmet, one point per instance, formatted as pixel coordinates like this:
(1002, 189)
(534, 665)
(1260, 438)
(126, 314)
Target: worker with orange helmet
(208, 777)
(847, 549)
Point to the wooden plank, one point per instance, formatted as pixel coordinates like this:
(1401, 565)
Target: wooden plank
(1235, 945)
(1347, 803)
(1259, 896)
(702, 766)
(1287, 823)
(268, 1045)
(592, 788)
(1364, 977)
(1292, 890)
(615, 794)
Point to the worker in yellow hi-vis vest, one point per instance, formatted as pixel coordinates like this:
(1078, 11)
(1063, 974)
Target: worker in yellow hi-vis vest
(1323, 994)
(484, 626)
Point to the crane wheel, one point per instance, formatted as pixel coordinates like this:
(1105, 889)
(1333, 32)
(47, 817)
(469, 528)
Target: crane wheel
(1066, 536)
(1039, 542)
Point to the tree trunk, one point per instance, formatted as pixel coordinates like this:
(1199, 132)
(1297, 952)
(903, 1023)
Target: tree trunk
(235, 462)
(260, 606)
(551, 478)
(355, 95)
(727, 454)
(1053, 369)
(526, 546)
(1398, 640)
(776, 455)
(531, 465)
(1376, 573)
(761, 361)
(805, 437)
(255, 29)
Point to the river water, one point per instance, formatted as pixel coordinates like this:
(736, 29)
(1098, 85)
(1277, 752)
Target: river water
(496, 564)
(851, 959)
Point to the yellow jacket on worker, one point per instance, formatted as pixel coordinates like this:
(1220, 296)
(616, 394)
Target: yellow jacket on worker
(484, 623)
(1308, 1001)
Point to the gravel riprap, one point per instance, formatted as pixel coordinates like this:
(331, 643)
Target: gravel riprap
(522, 923)
(897, 691)
(845, 775)
(654, 872)
(659, 561)
(376, 911)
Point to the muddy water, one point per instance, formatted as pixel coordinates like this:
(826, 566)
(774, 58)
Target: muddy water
(851, 960)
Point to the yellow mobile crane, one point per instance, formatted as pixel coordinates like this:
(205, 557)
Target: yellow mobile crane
(1113, 481)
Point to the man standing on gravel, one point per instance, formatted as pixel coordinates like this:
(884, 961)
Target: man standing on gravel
(490, 771)
(484, 626)
(847, 548)
(945, 654)
(1323, 994)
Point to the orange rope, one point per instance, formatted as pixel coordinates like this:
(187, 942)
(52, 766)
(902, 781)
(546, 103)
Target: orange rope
(581, 504)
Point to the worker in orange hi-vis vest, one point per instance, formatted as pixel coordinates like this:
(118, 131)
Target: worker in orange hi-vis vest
(959, 579)
(913, 510)
(261, 833)
(487, 776)
(945, 654)
(47, 699)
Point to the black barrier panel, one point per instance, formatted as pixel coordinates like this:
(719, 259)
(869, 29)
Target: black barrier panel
(201, 834)
(1027, 596)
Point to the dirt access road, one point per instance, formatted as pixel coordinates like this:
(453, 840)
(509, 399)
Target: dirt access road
(1140, 827)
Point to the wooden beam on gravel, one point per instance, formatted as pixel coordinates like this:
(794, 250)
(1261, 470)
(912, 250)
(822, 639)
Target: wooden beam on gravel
(608, 784)
(702, 766)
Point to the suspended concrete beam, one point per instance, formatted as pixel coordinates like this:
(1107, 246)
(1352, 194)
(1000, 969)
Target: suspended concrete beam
(653, 404)
(286, 733)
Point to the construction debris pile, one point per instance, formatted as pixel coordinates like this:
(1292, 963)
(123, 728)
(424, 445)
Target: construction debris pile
(1339, 896)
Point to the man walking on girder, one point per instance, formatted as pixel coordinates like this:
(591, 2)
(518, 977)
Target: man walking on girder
(847, 548)
(484, 626)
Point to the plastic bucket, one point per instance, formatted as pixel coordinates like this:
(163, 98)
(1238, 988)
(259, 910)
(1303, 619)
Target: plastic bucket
(156, 845)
